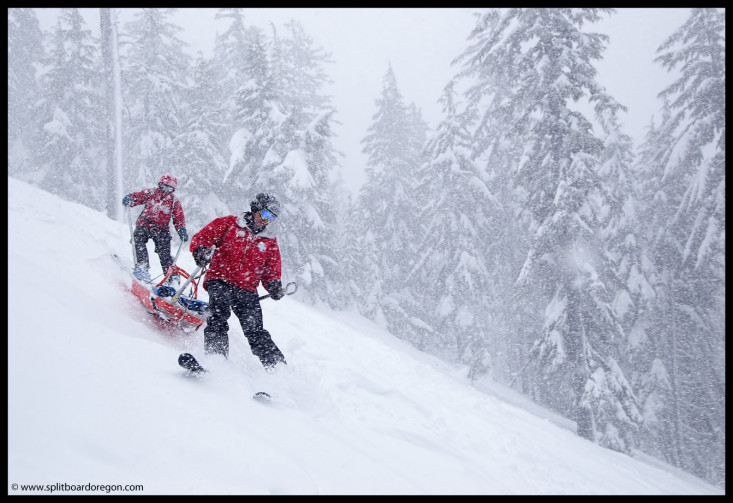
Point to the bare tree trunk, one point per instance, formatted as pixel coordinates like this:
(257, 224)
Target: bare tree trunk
(114, 106)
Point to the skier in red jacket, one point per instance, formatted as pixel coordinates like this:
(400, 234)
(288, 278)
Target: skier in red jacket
(153, 223)
(246, 254)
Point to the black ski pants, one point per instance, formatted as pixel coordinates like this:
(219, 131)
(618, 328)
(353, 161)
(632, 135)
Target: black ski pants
(225, 298)
(162, 240)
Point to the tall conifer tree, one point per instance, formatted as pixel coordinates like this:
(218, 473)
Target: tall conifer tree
(387, 207)
(689, 248)
(529, 66)
(71, 133)
(155, 70)
(25, 54)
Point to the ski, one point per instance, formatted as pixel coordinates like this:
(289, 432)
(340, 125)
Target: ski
(262, 397)
(191, 364)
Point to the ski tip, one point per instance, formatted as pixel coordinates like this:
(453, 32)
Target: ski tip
(188, 362)
(263, 397)
(185, 359)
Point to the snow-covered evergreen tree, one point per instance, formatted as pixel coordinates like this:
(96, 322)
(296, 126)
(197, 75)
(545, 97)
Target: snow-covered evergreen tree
(387, 209)
(155, 70)
(25, 55)
(196, 151)
(258, 116)
(231, 66)
(648, 330)
(302, 70)
(530, 66)
(697, 160)
(622, 224)
(300, 163)
(283, 145)
(688, 213)
(451, 281)
(70, 139)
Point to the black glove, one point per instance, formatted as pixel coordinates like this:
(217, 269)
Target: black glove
(127, 200)
(275, 289)
(201, 255)
(183, 234)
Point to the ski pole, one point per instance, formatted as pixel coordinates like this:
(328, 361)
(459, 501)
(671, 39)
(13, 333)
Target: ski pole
(295, 289)
(180, 247)
(132, 237)
(190, 278)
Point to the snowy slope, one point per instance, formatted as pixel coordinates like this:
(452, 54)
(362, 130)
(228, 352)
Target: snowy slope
(95, 396)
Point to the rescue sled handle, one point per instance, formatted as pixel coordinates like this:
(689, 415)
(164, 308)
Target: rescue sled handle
(180, 247)
(291, 292)
(190, 278)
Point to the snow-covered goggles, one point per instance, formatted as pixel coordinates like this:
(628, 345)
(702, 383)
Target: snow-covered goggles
(166, 189)
(267, 215)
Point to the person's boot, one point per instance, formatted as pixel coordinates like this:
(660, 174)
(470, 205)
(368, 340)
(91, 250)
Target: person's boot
(272, 364)
(142, 273)
(215, 344)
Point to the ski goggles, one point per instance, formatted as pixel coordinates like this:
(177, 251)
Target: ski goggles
(166, 189)
(267, 215)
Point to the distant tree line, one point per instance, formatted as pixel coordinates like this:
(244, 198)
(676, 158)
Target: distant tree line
(522, 237)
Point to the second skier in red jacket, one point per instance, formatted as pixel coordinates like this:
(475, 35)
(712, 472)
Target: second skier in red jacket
(153, 223)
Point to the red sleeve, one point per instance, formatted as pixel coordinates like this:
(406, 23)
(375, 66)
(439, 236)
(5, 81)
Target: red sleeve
(178, 219)
(142, 196)
(210, 235)
(273, 265)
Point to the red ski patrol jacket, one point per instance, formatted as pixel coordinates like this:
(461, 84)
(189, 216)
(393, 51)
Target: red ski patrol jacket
(159, 208)
(242, 258)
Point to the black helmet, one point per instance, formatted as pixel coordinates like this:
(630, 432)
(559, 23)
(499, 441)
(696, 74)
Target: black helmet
(262, 201)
